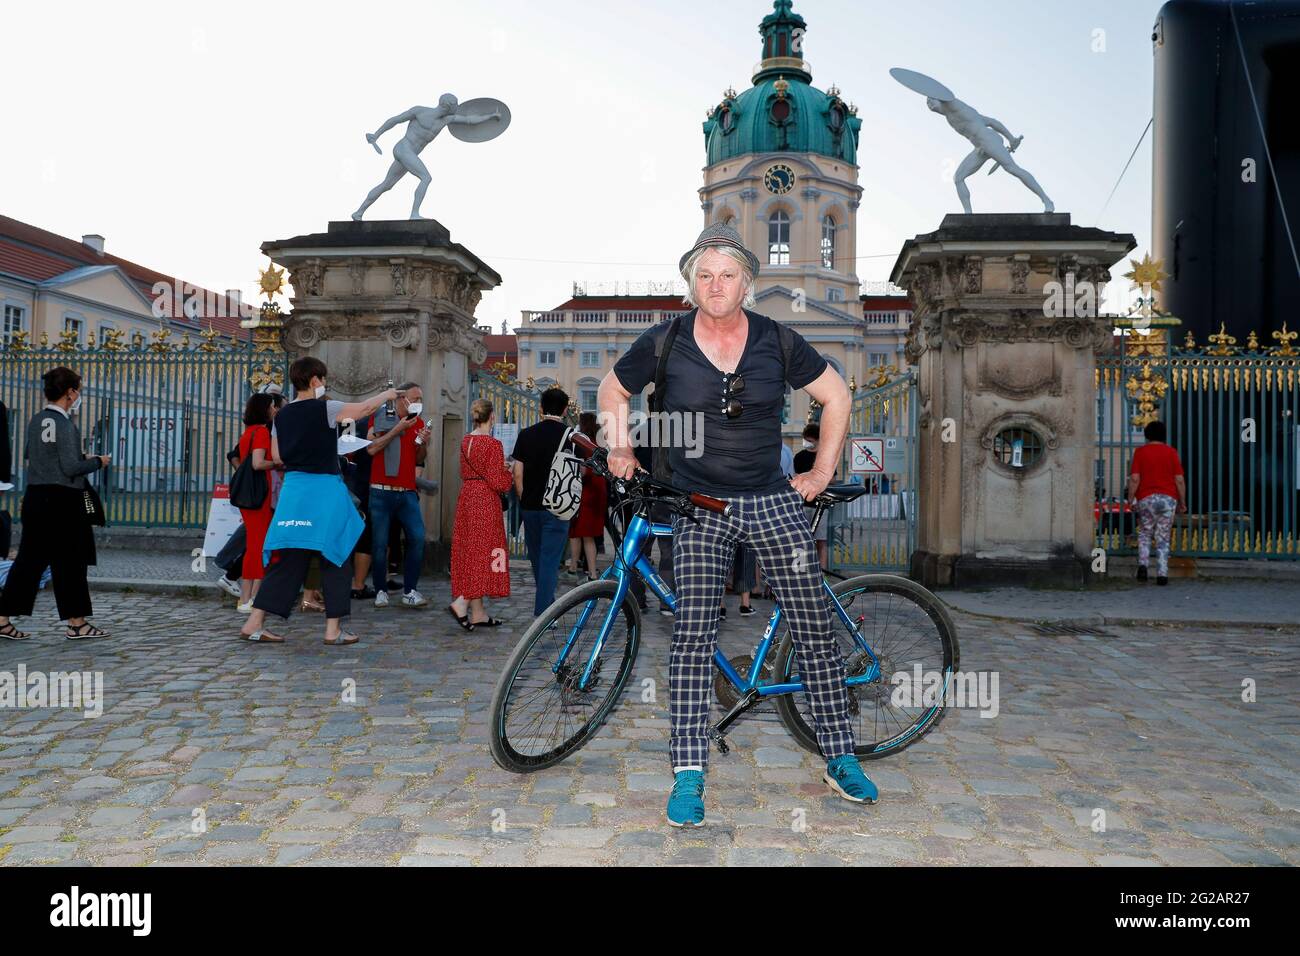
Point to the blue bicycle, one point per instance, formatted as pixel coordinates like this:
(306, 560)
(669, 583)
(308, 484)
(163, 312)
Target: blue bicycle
(570, 667)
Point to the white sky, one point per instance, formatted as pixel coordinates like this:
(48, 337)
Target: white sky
(189, 133)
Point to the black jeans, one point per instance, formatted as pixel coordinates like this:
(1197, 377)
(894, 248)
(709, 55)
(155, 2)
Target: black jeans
(55, 535)
(285, 576)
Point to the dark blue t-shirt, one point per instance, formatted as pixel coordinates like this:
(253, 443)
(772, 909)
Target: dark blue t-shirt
(740, 455)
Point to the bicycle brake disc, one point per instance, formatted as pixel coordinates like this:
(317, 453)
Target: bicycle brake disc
(855, 665)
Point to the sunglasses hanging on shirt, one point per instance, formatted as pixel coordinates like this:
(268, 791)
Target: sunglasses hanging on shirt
(732, 384)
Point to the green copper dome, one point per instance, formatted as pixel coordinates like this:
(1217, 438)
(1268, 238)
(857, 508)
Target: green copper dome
(782, 111)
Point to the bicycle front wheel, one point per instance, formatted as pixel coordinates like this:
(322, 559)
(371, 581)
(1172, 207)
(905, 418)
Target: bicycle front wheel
(540, 712)
(906, 628)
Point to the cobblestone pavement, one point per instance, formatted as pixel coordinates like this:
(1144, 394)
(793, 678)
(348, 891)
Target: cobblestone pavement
(1148, 725)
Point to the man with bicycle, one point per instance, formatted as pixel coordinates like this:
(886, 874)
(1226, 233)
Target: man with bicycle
(729, 367)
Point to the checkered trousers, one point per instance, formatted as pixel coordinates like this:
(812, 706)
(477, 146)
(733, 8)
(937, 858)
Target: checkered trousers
(776, 527)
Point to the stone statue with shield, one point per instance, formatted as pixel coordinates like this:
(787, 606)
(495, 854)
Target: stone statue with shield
(984, 132)
(474, 121)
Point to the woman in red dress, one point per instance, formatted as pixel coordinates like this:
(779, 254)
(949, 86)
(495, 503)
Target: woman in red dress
(256, 442)
(589, 523)
(480, 561)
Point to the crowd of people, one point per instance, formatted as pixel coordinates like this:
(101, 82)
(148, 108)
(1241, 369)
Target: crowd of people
(328, 517)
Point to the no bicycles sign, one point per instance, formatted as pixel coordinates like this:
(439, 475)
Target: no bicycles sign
(876, 455)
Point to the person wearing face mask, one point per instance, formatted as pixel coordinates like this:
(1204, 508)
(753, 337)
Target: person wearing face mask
(314, 513)
(56, 531)
(399, 443)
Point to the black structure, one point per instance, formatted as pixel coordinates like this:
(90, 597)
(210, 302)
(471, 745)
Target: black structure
(1223, 239)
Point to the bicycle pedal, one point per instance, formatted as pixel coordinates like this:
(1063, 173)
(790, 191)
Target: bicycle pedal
(721, 743)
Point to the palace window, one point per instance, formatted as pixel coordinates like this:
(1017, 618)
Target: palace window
(877, 359)
(591, 359)
(587, 399)
(546, 357)
(778, 239)
(834, 295)
(14, 321)
(75, 323)
(828, 243)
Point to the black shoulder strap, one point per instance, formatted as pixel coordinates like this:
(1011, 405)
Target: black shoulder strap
(661, 366)
(786, 335)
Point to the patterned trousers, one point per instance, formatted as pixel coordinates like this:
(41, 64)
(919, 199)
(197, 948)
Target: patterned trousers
(775, 527)
(1155, 516)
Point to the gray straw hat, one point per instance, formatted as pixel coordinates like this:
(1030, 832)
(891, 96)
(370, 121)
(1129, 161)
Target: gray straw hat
(718, 234)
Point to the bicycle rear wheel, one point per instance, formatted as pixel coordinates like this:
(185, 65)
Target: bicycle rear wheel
(539, 715)
(905, 626)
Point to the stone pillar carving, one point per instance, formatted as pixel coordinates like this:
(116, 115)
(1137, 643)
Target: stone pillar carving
(1007, 396)
(392, 299)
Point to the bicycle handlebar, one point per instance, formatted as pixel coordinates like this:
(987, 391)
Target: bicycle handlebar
(707, 502)
(716, 505)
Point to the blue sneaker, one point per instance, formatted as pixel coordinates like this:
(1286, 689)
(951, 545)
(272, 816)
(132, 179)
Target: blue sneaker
(686, 802)
(845, 776)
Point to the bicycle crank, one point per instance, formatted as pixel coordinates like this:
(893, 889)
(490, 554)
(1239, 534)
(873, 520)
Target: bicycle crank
(725, 691)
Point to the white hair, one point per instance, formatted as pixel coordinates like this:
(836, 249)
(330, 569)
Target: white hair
(693, 264)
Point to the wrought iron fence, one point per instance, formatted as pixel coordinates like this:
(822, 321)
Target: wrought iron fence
(1231, 413)
(167, 412)
(877, 532)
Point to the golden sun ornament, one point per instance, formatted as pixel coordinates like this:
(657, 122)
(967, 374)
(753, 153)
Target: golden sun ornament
(1147, 273)
(271, 281)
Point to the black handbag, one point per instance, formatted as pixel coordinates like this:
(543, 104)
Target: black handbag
(504, 496)
(94, 508)
(248, 488)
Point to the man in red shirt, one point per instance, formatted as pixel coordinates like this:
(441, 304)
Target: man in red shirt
(398, 444)
(1157, 490)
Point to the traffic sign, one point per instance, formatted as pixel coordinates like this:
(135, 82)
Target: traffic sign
(868, 456)
(877, 455)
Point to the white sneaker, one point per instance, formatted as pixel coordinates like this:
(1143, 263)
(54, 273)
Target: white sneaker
(227, 585)
(381, 599)
(245, 608)
(413, 599)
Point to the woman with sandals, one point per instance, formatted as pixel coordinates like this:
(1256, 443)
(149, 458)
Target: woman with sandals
(56, 529)
(314, 515)
(480, 561)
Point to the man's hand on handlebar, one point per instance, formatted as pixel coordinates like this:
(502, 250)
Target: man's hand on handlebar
(622, 463)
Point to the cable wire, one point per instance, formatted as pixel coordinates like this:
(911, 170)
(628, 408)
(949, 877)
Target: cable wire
(1097, 221)
(1259, 120)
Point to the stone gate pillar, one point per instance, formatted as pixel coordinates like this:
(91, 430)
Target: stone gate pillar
(1004, 335)
(393, 299)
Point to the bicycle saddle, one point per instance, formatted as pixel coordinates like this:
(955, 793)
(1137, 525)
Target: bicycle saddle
(838, 494)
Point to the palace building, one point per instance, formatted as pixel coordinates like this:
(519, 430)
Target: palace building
(781, 168)
(51, 285)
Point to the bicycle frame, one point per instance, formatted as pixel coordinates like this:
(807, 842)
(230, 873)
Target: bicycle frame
(631, 557)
